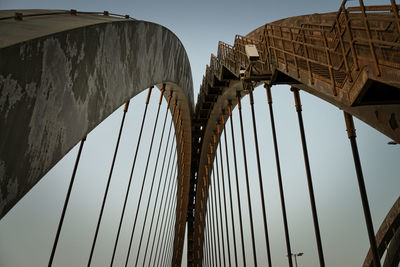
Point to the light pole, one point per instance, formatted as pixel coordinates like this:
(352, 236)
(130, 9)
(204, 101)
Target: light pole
(297, 255)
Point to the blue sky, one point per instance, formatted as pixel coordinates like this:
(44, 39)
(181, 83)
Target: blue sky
(27, 232)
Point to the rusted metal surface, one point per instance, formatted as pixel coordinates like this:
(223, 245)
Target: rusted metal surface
(388, 233)
(349, 58)
(60, 81)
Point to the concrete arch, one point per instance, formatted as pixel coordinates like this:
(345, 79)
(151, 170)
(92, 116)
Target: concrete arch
(58, 82)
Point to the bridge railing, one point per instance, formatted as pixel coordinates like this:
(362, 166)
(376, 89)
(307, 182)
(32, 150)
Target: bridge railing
(305, 50)
(215, 65)
(226, 55)
(332, 53)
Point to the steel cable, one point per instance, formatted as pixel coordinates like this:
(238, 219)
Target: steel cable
(278, 171)
(53, 251)
(165, 206)
(159, 184)
(163, 190)
(224, 194)
(253, 116)
(144, 177)
(351, 131)
(160, 249)
(131, 175)
(219, 199)
(169, 221)
(308, 174)
(237, 184)
(247, 180)
(214, 200)
(108, 183)
(230, 190)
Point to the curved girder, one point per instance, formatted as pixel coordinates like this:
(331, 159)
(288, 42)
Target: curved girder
(62, 75)
(388, 233)
(355, 67)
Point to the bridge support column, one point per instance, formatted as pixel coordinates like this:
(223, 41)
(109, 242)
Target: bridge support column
(278, 170)
(351, 132)
(237, 184)
(309, 179)
(253, 116)
(247, 179)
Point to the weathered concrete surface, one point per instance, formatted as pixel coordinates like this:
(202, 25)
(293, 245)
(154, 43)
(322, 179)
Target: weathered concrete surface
(66, 77)
(14, 32)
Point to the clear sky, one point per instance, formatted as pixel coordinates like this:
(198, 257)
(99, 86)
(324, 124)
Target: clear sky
(27, 231)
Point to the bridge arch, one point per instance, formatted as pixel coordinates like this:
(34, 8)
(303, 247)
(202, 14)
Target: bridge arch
(59, 82)
(345, 64)
(388, 238)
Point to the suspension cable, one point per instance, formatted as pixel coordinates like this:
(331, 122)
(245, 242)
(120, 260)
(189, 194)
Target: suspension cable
(247, 179)
(237, 184)
(229, 187)
(131, 175)
(164, 220)
(215, 209)
(153, 179)
(165, 182)
(167, 245)
(212, 217)
(278, 170)
(178, 122)
(53, 251)
(253, 116)
(209, 250)
(167, 193)
(165, 208)
(224, 194)
(351, 132)
(170, 242)
(213, 244)
(309, 179)
(219, 198)
(160, 249)
(205, 191)
(205, 247)
(108, 182)
(172, 214)
(209, 214)
(144, 176)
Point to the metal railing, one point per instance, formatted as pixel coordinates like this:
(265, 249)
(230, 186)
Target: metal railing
(333, 53)
(20, 16)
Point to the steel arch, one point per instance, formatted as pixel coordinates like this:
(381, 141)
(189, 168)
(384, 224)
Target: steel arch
(322, 54)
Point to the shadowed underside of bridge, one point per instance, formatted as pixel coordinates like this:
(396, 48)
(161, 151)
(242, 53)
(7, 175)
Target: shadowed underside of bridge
(349, 58)
(60, 81)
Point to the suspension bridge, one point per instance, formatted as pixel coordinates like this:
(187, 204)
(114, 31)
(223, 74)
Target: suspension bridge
(64, 72)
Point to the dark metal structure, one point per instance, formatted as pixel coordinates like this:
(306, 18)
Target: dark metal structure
(58, 82)
(348, 58)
